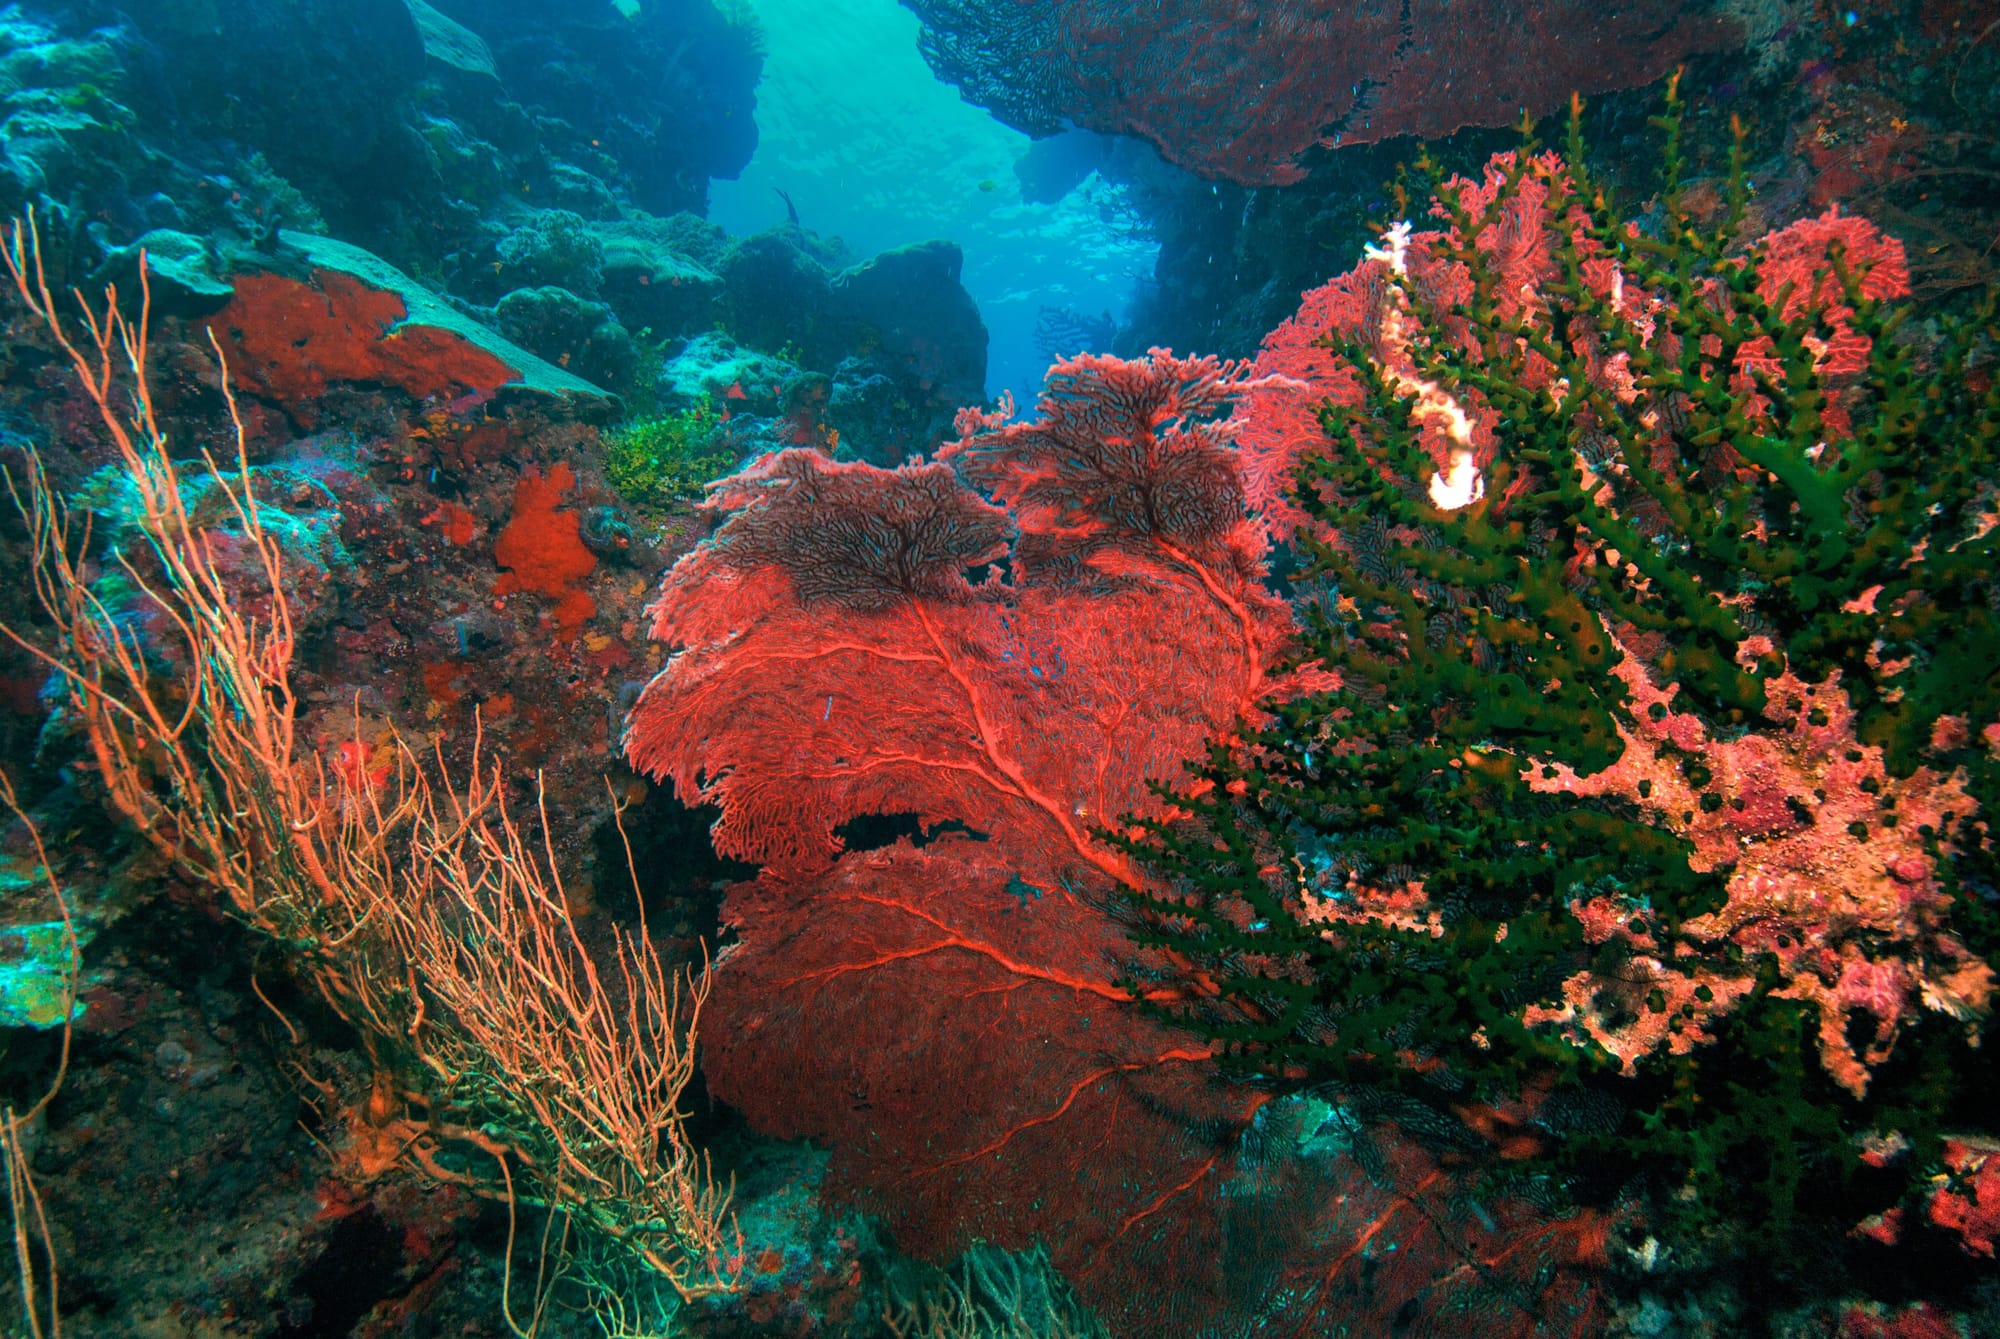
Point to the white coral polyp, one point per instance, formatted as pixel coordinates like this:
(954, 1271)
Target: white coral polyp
(1459, 486)
(1395, 248)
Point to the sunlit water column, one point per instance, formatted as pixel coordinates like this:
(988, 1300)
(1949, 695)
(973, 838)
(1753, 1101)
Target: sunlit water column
(872, 148)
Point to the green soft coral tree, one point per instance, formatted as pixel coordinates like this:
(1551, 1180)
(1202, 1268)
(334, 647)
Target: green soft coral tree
(1657, 573)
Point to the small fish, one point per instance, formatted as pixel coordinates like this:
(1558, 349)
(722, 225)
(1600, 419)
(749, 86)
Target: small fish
(989, 185)
(735, 392)
(465, 404)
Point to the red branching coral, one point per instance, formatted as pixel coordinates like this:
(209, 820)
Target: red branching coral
(542, 549)
(1239, 92)
(290, 340)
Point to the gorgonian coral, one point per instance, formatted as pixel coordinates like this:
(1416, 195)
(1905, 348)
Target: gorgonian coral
(1005, 648)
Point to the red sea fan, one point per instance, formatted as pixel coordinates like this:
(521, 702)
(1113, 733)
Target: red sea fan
(1797, 263)
(1797, 274)
(1280, 424)
(954, 1033)
(1128, 454)
(834, 624)
(949, 1018)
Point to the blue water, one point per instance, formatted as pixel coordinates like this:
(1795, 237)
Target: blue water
(872, 148)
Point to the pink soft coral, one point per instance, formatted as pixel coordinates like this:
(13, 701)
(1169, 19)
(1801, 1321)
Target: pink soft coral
(1827, 864)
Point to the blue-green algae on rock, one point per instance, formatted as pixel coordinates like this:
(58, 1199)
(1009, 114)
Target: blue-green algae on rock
(34, 976)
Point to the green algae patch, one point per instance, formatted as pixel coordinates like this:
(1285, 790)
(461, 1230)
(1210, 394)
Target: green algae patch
(669, 458)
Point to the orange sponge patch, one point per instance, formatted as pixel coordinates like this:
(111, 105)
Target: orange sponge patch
(543, 549)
